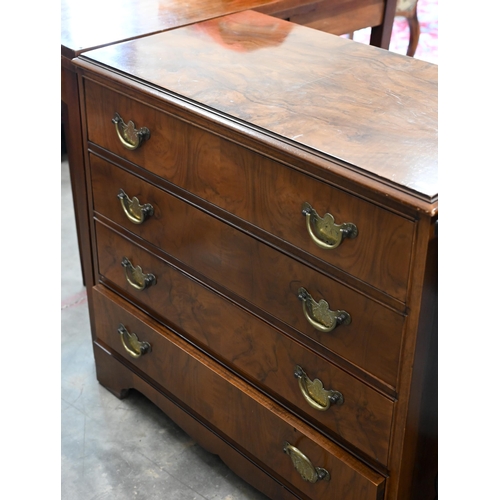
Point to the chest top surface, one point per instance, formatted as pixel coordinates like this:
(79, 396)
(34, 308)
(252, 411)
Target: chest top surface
(371, 109)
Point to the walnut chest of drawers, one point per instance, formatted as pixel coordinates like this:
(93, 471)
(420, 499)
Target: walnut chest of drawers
(263, 205)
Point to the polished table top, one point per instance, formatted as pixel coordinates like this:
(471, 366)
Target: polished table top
(374, 110)
(95, 23)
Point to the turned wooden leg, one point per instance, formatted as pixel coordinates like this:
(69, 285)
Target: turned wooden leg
(414, 25)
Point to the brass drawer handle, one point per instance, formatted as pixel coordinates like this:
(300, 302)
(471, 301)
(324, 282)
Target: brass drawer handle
(127, 133)
(136, 277)
(134, 347)
(134, 211)
(323, 230)
(304, 466)
(319, 315)
(314, 392)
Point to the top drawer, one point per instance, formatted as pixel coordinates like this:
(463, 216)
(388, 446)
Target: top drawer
(261, 191)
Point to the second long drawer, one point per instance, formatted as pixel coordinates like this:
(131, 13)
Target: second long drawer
(262, 354)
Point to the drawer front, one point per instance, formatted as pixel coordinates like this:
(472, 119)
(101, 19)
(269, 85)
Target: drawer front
(230, 405)
(261, 191)
(256, 350)
(261, 275)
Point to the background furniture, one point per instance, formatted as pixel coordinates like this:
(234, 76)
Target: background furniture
(296, 345)
(408, 10)
(339, 16)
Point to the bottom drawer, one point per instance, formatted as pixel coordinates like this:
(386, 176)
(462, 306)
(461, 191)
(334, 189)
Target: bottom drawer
(299, 457)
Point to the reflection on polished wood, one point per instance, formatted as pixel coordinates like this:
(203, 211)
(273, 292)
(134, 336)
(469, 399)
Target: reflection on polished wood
(305, 86)
(94, 23)
(90, 24)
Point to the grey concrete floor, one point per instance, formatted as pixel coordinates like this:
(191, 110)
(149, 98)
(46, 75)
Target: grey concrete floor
(120, 449)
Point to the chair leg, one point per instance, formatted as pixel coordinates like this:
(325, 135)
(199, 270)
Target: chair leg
(414, 26)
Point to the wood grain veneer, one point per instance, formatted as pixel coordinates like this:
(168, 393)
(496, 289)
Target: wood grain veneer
(262, 354)
(247, 114)
(319, 88)
(225, 174)
(214, 394)
(226, 256)
(113, 21)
